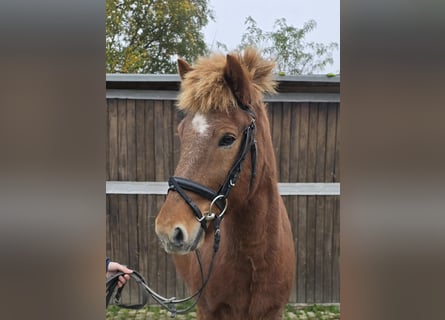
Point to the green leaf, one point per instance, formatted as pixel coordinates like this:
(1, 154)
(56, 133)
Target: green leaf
(286, 45)
(147, 36)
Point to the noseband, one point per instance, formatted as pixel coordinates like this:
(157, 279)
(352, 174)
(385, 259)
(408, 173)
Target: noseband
(219, 198)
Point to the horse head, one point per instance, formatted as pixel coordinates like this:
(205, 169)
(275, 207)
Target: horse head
(222, 98)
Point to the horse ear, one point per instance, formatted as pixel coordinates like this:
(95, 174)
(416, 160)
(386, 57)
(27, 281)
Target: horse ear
(236, 78)
(183, 68)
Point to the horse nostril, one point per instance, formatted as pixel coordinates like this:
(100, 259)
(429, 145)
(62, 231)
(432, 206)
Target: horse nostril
(178, 236)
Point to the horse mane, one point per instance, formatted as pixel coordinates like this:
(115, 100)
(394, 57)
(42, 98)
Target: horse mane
(204, 88)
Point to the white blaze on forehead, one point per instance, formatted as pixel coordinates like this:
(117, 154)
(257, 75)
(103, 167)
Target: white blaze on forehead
(200, 124)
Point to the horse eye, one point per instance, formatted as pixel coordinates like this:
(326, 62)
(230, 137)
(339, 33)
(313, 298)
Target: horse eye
(226, 140)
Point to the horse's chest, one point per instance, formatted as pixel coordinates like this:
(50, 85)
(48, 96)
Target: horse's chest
(235, 296)
(237, 283)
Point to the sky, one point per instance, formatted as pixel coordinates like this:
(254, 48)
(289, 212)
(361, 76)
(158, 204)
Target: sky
(230, 16)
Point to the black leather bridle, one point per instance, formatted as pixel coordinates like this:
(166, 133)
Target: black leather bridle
(218, 198)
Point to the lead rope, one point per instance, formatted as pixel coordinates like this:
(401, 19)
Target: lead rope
(168, 303)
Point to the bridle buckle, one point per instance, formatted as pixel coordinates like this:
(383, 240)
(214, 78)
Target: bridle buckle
(212, 216)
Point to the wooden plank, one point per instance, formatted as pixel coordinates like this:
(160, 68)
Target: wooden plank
(292, 81)
(107, 227)
(122, 139)
(308, 188)
(176, 143)
(134, 80)
(327, 243)
(131, 140)
(161, 187)
(112, 154)
(286, 143)
(107, 142)
(321, 97)
(153, 245)
(136, 187)
(312, 143)
(337, 149)
(150, 254)
(321, 132)
(311, 205)
(173, 126)
(331, 176)
(336, 251)
(159, 143)
(140, 140)
(157, 94)
(113, 212)
(320, 201)
(319, 248)
(123, 253)
(303, 141)
(142, 233)
(302, 249)
(290, 203)
(276, 109)
(150, 172)
(161, 255)
(336, 221)
(293, 217)
(303, 137)
(167, 134)
(294, 142)
(133, 244)
(310, 248)
(331, 144)
(293, 176)
(167, 95)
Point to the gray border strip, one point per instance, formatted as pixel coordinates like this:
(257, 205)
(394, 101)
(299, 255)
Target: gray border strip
(286, 189)
(172, 95)
(132, 77)
(141, 94)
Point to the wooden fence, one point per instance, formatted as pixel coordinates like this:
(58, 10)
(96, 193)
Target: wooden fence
(142, 147)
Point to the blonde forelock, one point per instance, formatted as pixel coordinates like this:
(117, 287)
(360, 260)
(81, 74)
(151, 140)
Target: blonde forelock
(204, 88)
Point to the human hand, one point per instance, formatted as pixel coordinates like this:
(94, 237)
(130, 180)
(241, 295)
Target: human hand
(114, 267)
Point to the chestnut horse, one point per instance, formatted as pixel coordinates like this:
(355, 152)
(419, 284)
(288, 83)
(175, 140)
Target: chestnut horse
(226, 146)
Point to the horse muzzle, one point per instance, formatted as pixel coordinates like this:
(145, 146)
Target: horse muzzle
(178, 240)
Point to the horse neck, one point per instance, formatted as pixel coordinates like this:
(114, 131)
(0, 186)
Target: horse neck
(266, 180)
(251, 214)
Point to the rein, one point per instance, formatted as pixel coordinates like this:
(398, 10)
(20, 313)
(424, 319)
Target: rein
(168, 303)
(218, 198)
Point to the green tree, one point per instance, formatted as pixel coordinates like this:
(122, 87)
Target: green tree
(146, 36)
(286, 45)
